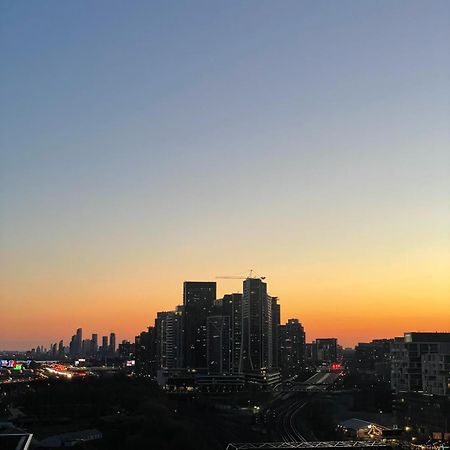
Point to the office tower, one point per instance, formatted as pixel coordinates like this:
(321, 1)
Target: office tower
(276, 317)
(198, 299)
(418, 362)
(94, 345)
(327, 350)
(61, 349)
(219, 344)
(168, 325)
(112, 344)
(257, 342)
(232, 307)
(292, 346)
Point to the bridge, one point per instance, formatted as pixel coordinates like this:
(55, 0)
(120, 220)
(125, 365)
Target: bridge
(309, 445)
(320, 381)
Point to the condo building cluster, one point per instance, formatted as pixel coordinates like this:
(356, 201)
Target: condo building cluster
(239, 334)
(417, 367)
(237, 342)
(80, 347)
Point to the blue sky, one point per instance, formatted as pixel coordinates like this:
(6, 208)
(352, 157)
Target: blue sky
(179, 134)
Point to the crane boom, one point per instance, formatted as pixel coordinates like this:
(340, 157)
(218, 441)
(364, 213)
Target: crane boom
(250, 275)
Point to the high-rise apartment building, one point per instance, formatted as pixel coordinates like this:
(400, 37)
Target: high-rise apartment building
(86, 347)
(168, 326)
(276, 319)
(257, 343)
(232, 307)
(112, 343)
(78, 342)
(198, 300)
(94, 344)
(145, 350)
(219, 354)
(292, 346)
(104, 349)
(61, 349)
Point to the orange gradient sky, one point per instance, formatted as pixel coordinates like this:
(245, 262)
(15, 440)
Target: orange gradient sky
(356, 298)
(150, 143)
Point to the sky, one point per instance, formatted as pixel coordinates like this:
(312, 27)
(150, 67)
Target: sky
(147, 143)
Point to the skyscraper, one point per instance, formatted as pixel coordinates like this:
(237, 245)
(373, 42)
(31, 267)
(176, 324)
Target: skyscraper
(112, 343)
(94, 345)
(78, 341)
(104, 346)
(86, 347)
(198, 299)
(257, 346)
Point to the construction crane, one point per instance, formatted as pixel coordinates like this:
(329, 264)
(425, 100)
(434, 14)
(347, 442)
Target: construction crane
(251, 275)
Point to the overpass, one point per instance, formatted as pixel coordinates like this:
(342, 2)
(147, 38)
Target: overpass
(320, 381)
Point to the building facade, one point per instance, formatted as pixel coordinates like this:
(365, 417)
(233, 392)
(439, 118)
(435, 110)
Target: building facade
(168, 326)
(412, 367)
(219, 352)
(292, 347)
(231, 306)
(198, 300)
(257, 343)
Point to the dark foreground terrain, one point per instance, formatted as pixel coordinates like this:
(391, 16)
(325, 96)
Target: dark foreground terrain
(130, 413)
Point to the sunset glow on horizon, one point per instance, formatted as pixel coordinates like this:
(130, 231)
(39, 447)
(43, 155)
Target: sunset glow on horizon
(144, 145)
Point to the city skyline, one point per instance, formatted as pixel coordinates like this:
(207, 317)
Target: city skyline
(284, 317)
(150, 143)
